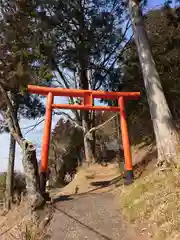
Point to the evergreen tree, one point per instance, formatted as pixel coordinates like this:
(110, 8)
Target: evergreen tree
(21, 63)
(164, 129)
(86, 39)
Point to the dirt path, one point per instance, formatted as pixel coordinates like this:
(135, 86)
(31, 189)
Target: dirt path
(91, 216)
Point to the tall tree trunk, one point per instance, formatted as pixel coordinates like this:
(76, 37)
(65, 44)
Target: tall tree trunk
(165, 132)
(88, 142)
(84, 84)
(88, 146)
(10, 173)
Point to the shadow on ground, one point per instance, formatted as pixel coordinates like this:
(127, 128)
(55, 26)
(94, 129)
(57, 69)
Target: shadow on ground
(139, 168)
(62, 198)
(98, 184)
(103, 184)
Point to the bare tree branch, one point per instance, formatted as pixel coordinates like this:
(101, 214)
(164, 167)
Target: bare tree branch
(67, 85)
(33, 126)
(38, 122)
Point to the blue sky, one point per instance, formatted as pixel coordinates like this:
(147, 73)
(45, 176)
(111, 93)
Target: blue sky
(36, 135)
(152, 3)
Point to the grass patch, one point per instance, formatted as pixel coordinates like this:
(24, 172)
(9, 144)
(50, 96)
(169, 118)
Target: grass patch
(34, 232)
(155, 201)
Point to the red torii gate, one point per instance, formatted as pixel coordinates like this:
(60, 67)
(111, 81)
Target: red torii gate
(88, 97)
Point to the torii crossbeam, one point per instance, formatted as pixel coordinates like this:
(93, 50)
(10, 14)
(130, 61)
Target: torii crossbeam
(88, 96)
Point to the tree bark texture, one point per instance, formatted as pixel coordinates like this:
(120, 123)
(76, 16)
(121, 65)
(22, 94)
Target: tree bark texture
(88, 146)
(165, 132)
(32, 175)
(10, 173)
